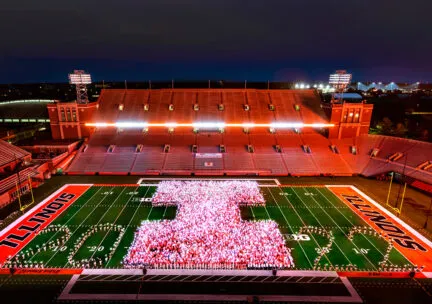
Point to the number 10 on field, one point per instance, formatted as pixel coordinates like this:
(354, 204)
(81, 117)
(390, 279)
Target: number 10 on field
(361, 250)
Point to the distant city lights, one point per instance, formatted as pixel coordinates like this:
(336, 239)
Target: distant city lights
(326, 88)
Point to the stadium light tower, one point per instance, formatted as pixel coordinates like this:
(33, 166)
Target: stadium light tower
(340, 80)
(80, 79)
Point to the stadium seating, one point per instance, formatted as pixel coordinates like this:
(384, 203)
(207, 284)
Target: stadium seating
(285, 106)
(270, 163)
(118, 163)
(326, 160)
(148, 162)
(9, 153)
(238, 163)
(247, 151)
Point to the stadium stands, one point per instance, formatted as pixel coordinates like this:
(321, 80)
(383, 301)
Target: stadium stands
(257, 151)
(9, 153)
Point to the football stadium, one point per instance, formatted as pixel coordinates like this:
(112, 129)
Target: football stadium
(220, 195)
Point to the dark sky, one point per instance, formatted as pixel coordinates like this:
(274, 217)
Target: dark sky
(277, 40)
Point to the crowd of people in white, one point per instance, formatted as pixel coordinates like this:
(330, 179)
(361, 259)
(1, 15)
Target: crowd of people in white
(208, 230)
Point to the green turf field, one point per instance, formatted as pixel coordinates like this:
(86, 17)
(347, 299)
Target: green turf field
(323, 220)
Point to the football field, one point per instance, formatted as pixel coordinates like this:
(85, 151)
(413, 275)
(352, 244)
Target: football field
(323, 230)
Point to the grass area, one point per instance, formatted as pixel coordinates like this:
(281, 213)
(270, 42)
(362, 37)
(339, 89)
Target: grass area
(312, 219)
(318, 208)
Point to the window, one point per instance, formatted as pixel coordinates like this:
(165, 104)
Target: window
(357, 115)
(345, 116)
(74, 116)
(62, 115)
(69, 115)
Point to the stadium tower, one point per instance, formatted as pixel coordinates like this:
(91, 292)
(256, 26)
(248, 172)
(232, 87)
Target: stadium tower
(351, 118)
(67, 119)
(80, 79)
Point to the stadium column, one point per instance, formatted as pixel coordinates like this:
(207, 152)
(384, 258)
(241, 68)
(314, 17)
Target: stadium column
(60, 122)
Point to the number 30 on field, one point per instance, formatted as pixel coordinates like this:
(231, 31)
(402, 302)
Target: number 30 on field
(298, 237)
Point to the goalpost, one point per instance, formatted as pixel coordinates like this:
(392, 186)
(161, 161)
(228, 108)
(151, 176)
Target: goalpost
(395, 208)
(18, 187)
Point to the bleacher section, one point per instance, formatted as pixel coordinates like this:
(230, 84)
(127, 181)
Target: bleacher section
(12, 180)
(265, 159)
(10, 153)
(258, 151)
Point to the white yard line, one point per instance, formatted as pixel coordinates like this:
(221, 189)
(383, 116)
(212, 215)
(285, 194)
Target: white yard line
(388, 213)
(253, 214)
(292, 230)
(119, 214)
(268, 214)
(322, 194)
(103, 215)
(55, 253)
(21, 218)
(85, 204)
(130, 221)
(323, 226)
(304, 224)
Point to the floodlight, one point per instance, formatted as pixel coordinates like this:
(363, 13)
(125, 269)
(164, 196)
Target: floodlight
(80, 79)
(340, 80)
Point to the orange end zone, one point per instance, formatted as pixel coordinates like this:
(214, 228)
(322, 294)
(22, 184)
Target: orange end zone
(416, 248)
(24, 229)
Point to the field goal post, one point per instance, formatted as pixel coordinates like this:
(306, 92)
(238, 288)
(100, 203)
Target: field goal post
(24, 205)
(396, 209)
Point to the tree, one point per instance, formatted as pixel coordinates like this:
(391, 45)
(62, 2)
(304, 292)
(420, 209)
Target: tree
(385, 126)
(400, 130)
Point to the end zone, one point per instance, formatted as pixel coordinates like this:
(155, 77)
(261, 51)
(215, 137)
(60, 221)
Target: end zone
(415, 247)
(14, 237)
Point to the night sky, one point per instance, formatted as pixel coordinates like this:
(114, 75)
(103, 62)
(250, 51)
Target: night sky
(285, 40)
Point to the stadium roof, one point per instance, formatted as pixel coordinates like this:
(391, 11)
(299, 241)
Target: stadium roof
(348, 96)
(23, 109)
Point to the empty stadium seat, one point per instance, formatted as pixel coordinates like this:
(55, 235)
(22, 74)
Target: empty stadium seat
(233, 150)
